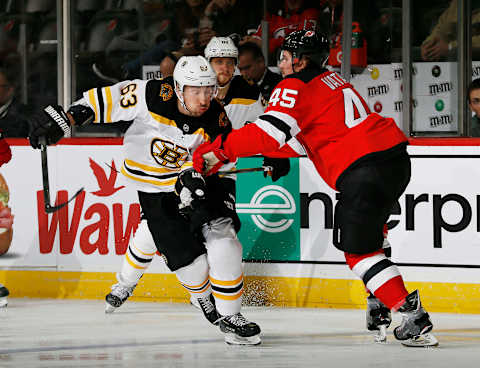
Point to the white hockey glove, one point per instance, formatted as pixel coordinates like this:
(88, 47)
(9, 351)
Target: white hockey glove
(51, 123)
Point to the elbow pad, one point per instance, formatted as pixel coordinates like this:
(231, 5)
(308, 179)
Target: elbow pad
(81, 114)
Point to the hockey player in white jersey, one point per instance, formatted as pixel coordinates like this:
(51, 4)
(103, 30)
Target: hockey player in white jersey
(241, 103)
(241, 100)
(191, 220)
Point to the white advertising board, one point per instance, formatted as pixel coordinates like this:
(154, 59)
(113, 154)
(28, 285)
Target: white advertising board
(437, 221)
(434, 92)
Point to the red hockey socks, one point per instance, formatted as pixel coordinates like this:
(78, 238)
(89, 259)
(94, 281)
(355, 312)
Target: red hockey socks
(380, 276)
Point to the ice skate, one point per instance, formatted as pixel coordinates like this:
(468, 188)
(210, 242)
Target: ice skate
(416, 323)
(378, 319)
(239, 331)
(3, 296)
(207, 306)
(120, 293)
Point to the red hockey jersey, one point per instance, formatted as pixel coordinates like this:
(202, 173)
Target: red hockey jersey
(326, 115)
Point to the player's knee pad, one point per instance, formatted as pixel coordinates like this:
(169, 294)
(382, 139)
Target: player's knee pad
(223, 247)
(142, 240)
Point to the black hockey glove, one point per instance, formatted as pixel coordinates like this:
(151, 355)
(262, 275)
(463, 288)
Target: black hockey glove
(51, 123)
(192, 191)
(276, 167)
(190, 188)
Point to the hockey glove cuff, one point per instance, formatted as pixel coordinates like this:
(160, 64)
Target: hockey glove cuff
(209, 157)
(276, 167)
(51, 123)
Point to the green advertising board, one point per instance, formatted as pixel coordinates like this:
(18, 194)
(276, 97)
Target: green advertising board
(269, 212)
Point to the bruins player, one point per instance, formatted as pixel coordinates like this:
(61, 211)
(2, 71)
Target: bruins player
(243, 101)
(171, 117)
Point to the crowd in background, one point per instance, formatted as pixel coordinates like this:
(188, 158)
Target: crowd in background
(112, 40)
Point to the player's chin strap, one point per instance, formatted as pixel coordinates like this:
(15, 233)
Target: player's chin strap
(46, 185)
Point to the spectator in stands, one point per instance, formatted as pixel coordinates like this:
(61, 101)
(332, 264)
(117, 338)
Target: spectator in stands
(251, 64)
(441, 44)
(233, 16)
(295, 15)
(473, 95)
(188, 25)
(13, 114)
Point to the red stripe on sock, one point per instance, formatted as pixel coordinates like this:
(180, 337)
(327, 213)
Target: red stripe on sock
(392, 293)
(353, 259)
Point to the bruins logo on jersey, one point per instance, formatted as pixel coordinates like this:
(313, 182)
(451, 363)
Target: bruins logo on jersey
(166, 91)
(223, 120)
(168, 154)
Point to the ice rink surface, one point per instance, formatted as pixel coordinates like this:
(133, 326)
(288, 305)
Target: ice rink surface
(77, 333)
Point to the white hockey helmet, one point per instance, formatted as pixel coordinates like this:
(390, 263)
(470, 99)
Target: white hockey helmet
(221, 47)
(193, 71)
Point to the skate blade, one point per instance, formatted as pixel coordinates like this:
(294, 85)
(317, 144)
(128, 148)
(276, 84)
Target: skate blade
(3, 301)
(380, 336)
(424, 340)
(109, 308)
(233, 339)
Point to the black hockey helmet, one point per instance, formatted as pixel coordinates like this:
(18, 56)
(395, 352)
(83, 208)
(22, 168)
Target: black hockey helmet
(307, 42)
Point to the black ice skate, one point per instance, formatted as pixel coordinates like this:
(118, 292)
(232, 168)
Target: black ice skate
(207, 306)
(378, 318)
(120, 293)
(3, 296)
(239, 331)
(416, 323)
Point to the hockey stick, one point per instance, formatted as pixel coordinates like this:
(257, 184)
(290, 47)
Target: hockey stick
(268, 169)
(46, 186)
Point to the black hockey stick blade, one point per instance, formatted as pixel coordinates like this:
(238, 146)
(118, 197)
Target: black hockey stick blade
(46, 185)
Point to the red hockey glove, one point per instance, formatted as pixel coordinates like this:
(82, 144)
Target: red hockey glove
(209, 157)
(5, 152)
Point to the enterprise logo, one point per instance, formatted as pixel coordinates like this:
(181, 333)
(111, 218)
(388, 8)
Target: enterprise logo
(284, 204)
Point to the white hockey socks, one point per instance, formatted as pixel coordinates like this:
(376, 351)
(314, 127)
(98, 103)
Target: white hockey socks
(224, 253)
(194, 278)
(138, 256)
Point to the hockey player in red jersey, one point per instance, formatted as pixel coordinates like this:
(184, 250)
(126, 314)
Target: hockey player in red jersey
(360, 154)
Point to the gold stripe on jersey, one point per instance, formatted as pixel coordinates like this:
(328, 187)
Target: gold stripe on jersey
(108, 94)
(162, 183)
(242, 101)
(201, 132)
(93, 102)
(154, 169)
(163, 120)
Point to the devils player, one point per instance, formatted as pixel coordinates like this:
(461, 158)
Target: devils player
(358, 153)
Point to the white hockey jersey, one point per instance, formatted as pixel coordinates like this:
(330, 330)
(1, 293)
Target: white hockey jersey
(160, 142)
(243, 102)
